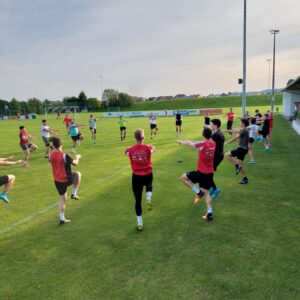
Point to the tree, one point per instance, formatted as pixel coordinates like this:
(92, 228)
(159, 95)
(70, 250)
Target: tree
(125, 99)
(35, 106)
(82, 101)
(14, 106)
(93, 103)
(111, 96)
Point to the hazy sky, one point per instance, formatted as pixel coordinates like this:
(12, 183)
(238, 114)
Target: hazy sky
(56, 48)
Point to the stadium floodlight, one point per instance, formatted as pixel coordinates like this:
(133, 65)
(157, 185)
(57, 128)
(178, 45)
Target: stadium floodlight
(244, 59)
(274, 32)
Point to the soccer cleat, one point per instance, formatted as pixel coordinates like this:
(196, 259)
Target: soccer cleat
(198, 196)
(267, 150)
(208, 217)
(75, 197)
(4, 198)
(46, 156)
(238, 169)
(244, 181)
(140, 227)
(149, 205)
(215, 193)
(26, 165)
(251, 162)
(211, 190)
(62, 222)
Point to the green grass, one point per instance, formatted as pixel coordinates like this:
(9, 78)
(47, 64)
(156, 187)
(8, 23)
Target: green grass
(225, 102)
(250, 250)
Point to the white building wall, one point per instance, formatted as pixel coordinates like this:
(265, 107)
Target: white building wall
(288, 103)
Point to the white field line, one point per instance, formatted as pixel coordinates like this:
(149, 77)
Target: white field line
(43, 211)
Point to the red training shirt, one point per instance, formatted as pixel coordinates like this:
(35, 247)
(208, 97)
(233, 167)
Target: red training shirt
(67, 120)
(206, 156)
(24, 138)
(140, 158)
(61, 166)
(230, 116)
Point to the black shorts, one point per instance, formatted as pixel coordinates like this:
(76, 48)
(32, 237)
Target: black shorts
(122, 128)
(25, 146)
(205, 180)
(3, 180)
(178, 123)
(264, 133)
(229, 125)
(251, 140)
(153, 126)
(93, 129)
(217, 160)
(239, 153)
(62, 186)
(76, 137)
(47, 141)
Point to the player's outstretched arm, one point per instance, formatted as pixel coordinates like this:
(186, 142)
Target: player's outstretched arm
(186, 143)
(6, 158)
(76, 160)
(232, 140)
(10, 163)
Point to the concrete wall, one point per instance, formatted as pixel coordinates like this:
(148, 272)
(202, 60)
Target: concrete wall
(288, 102)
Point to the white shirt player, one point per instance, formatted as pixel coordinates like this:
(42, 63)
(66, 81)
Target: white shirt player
(92, 123)
(152, 120)
(253, 130)
(44, 131)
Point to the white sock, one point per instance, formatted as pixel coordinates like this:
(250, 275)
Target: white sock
(73, 150)
(75, 191)
(209, 210)
(267, 147)
(148, 196)
(195, 189)
(139, 220)
(62, 216)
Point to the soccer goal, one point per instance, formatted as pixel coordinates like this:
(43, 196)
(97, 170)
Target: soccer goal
(113, 108)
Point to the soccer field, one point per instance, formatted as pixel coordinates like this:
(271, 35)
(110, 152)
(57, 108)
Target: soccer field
(249, 251)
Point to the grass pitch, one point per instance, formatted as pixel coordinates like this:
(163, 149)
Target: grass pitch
(250, 250)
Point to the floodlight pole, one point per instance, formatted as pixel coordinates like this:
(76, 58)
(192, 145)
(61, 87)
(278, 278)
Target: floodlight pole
(244, 59)
(274, 32)
(269, 61)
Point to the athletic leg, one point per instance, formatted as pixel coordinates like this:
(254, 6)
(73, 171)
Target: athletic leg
(76, 184)
(137, 187)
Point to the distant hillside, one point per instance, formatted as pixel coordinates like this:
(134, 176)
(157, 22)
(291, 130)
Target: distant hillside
(227, 101)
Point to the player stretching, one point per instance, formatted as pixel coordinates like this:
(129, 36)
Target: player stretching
(219, 139)
(230, 116)
(205, 170)
(207, 121)
(76, 136)
(46, 132)
(93, 130)
(67, 121)
(140, 159)
(241, 151)
(25, 144)
(153, 125)
(253, 129)
(122, 122)
(178, 123)
(264, 132)
(63, 176)
(7, 180)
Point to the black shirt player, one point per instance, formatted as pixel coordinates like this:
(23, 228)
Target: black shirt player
(207, 121)
(178, 122)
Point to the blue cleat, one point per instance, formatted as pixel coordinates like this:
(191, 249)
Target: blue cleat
(211, 190)
(267, 150)
(4, 198)
(215, 193)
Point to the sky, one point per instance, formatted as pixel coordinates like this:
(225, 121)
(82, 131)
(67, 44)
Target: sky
(56, 48)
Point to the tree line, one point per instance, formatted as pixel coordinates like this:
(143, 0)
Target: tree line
(110, 98)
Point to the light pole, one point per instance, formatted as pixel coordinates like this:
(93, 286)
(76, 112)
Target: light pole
(101, 77)
(244, 59)
(269, 61)
(274, 32)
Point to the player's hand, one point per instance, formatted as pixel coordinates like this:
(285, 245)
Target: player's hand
(20, 161)
(179, 142)
(78, 156)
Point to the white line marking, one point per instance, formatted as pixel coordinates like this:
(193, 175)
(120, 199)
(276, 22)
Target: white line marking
(40, 212)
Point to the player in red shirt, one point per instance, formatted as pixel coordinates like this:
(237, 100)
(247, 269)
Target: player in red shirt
(25, 144)
(67, 121)
(230, 116)
(63, 176)
(7, 180)
(205, 170)
(140, 159)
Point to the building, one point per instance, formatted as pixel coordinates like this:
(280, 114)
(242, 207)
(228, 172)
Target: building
(291, 102)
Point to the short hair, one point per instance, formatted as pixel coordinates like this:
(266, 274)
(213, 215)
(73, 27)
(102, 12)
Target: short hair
(266, 115)
(216, 122)
(43, 121)
(207, 133)
(57, 142)
(253, 121)
(21, 127)
(245, 122)
(91, 116)
(139, 134)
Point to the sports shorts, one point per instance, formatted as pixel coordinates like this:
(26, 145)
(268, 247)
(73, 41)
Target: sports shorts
(251, 140)
(122, 128)
(3, 179)
(178, 123)
(153, 126)
(47, 140)
(76, 137)
(239, 153)
(229, 125)
(25, 146)
(204, 180)
(264, 133)
(62, 186)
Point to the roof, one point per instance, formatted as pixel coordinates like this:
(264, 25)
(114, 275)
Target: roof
(294, 85)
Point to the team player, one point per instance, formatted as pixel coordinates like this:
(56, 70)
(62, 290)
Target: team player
(253, 129)
(46, 132)
(67, 121)
(207, 121)
(122, 122)
(270, 113)
(205, 170)
(230, 116)
(178, 119)
(63, 176)
(264, 132)
(153, 125)
(25, 145)
(241, 151)
(7, 180)
(75, 135)
(93, 129)
(219, 139)
(140, 159)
